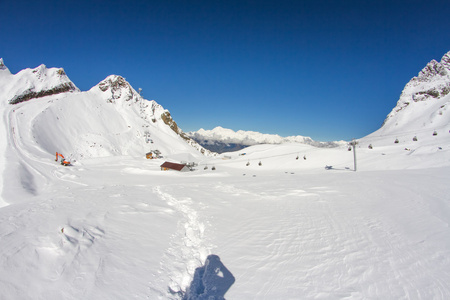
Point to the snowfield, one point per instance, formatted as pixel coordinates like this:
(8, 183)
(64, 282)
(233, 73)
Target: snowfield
(119, 228)
(289, 221)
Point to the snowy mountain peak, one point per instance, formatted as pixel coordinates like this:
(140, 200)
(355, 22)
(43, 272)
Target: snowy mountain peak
(2, 65)
(424, 99)
(116, 88)
(36, 83)
(445, 61)
(432, 69)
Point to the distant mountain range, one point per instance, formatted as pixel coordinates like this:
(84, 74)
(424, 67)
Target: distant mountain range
(225, 140)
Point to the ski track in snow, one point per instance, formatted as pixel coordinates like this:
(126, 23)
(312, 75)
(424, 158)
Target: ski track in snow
(188, 248)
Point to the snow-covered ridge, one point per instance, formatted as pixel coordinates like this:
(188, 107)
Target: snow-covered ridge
(249, 138)
(2, 65)
(111, 119)
(115, 89)
(431, 85)
(35, 83)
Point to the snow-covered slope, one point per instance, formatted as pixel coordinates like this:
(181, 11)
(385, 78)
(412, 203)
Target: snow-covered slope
(108, 120)
(33, 83)
(424, 104)
(221, 137)
(420, 122)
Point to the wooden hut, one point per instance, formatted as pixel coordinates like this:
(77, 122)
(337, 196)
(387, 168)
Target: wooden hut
(166, 166)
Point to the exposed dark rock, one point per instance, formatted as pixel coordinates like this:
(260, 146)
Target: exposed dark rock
(30, 94)
(167, 119)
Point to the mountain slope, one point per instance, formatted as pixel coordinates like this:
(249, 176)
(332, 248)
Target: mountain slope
(108, 120)
(422, 110)
(424, 100)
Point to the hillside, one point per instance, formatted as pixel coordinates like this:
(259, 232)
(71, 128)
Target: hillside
(108, 120)
(423, 108)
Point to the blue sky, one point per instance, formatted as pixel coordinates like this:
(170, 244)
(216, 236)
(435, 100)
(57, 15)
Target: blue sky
(330, 70)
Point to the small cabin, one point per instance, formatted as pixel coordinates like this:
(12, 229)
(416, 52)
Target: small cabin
(166, 166)
(153, 154)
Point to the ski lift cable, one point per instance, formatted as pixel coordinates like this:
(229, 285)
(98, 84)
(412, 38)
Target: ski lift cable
(259, 158)
(296, 153)
(403, 133)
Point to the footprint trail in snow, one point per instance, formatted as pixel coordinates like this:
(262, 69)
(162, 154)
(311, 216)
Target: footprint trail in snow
(188, 248)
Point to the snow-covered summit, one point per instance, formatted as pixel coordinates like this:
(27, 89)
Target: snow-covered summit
(116, 89)
(2, 65)
(34, 83)
(445, 61)
(424, 100)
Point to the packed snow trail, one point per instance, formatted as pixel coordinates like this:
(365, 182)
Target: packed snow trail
(188, 249)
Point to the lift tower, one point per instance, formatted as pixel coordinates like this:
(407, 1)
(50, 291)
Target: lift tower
(353, 143)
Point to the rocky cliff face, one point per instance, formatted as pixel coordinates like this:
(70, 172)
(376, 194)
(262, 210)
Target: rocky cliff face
(431, 84)
(116, 87)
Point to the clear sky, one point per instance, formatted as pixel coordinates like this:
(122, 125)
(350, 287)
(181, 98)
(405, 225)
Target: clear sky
(330, 70)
